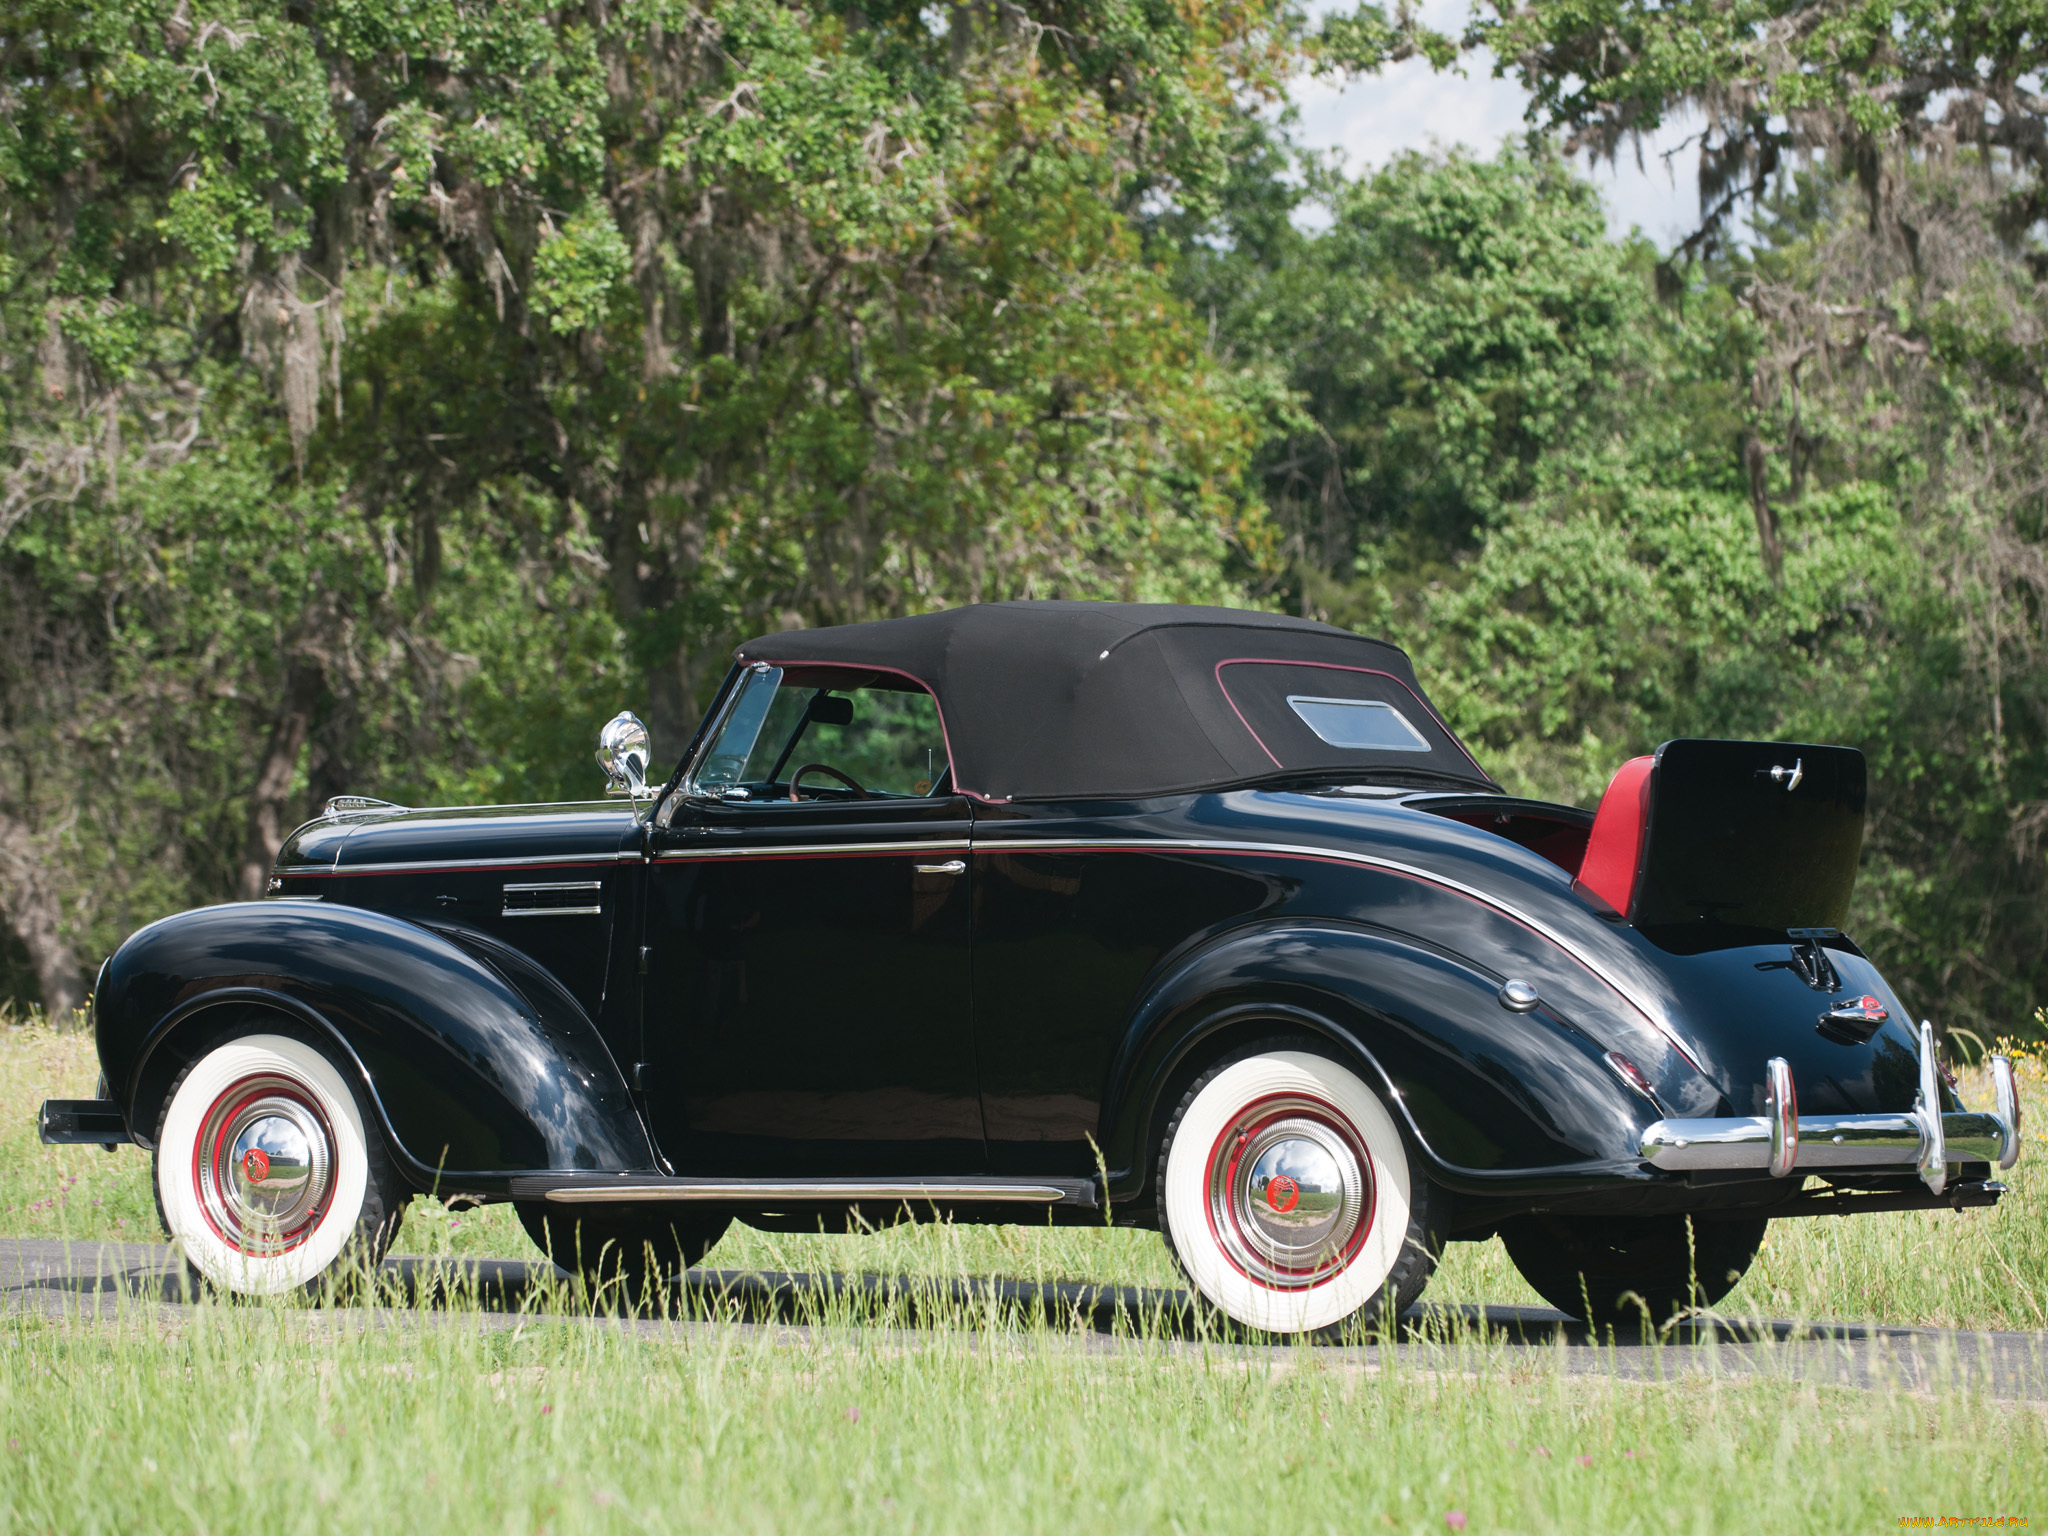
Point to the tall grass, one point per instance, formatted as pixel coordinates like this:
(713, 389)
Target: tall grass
(1968, 1269)
(273, 1418)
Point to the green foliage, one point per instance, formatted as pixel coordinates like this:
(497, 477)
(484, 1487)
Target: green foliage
(578, 269)
(419, 384)
(1498, 448)
(393, 392)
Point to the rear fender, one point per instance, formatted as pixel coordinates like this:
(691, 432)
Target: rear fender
(473, 1077)
(1494, 1100)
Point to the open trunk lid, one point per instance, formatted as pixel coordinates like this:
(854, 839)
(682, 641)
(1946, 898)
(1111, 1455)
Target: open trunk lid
(1749, 834)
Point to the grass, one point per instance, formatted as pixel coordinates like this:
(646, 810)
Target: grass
(279, 1417)
(273, 1419)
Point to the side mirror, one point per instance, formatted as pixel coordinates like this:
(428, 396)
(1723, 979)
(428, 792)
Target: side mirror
(622, 751)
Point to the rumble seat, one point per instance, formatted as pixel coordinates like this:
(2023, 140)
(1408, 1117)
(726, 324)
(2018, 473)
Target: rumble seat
(1614, 849)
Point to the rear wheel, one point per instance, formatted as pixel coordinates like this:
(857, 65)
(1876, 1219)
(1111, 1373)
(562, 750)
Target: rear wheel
(614, 1249)
(1607, 1269)
(267, 1170)
(1288, 1197)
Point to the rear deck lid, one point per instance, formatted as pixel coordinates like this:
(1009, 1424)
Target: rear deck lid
(1749, 835)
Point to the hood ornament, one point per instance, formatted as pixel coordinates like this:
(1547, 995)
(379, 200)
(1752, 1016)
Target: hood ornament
(340, 806)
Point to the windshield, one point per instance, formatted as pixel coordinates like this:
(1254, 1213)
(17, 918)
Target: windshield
(835, 733)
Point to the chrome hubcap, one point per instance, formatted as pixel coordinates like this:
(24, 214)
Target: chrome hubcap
(1290, 1194)
(263, 1166)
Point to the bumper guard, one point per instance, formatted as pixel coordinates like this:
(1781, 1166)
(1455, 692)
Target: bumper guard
(1924, 1139)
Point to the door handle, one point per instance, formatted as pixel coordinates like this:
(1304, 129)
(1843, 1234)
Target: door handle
(950, 867)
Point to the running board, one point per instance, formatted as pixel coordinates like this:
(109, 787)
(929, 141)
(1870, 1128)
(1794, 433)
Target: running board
(644, 1189)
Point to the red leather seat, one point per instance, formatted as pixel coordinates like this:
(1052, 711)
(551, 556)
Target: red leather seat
(1614, 850)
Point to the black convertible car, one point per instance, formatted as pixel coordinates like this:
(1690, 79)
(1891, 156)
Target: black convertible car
(1015, 912)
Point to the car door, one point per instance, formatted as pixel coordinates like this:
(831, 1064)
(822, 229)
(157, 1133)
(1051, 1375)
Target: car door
(1075, 907)
(808, 1000)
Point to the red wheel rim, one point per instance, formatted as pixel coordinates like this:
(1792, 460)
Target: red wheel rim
(263, 1164)
(1289, 1192)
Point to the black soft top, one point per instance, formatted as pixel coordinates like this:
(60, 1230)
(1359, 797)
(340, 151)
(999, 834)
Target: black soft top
(1070, 700)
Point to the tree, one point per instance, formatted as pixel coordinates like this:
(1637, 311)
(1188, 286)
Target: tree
(1500, 450)
(734, 314)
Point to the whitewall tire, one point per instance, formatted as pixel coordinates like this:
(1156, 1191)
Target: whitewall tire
(266, 1172)
(1286, 1194)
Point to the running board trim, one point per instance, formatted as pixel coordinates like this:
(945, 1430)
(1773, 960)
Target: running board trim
(631, 1189)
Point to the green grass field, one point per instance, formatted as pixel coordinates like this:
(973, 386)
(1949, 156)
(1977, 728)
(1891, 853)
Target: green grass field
(284, 1418)
(270, 1420)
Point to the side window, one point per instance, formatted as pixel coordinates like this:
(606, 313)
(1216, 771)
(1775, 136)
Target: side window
(857, 733)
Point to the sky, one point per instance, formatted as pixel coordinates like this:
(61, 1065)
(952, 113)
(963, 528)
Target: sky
(1410, 106)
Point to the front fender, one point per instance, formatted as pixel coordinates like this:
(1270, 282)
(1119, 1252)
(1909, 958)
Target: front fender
(1494, 1100)
(473, 1077)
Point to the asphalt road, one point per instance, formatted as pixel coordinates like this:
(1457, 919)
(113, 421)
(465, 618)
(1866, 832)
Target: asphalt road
(103, 1281)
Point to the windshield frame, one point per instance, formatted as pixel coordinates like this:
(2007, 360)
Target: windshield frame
(749, 680)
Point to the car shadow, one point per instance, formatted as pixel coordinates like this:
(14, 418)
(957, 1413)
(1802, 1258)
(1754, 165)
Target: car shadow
(151, 1273)
(798, 1298)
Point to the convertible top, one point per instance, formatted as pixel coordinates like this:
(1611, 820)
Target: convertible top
(1075, 700)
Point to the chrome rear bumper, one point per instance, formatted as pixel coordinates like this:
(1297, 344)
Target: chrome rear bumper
(1924, 1139)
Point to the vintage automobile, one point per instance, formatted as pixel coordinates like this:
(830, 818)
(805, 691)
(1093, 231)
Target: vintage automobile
(1179, 917)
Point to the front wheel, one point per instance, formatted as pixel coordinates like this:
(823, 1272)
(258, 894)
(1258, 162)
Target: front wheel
(1608, 1269)
(267, 1171)
(1287, 1194)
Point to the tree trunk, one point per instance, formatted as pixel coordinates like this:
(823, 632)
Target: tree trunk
(671, 709)
(1757, 466)
(274, 778)
(29, 902)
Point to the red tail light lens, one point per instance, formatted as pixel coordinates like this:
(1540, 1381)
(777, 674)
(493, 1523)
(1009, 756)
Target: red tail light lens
(1631, 1074)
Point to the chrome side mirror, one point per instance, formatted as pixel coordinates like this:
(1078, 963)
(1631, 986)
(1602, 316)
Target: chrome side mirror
(622, 751)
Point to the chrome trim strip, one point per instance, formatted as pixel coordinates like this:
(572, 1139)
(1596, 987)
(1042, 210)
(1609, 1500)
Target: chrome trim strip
(751, 1190)
(527, 861)
(1370, 861)
(509, 910)
(756, 851)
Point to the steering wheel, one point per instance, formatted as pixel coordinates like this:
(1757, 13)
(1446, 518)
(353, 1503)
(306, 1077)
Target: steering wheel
(797, 777)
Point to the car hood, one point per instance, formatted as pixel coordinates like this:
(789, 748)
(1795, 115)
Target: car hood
(460, 834)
